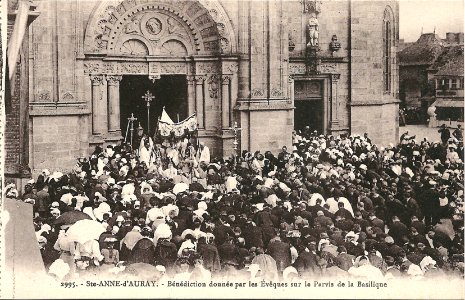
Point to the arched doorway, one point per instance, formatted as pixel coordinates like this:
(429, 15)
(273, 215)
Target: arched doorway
(169, 92)
(162, 41)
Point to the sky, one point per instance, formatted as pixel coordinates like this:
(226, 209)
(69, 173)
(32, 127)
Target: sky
(445, 15)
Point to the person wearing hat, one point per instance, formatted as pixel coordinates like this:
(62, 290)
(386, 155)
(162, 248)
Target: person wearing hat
(445, 133)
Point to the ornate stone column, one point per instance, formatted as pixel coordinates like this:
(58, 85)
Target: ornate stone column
(190, 95)
(225, 101)
(291, 90)
(113, 103)
(199, 79)
(334, 101)
(98, 125)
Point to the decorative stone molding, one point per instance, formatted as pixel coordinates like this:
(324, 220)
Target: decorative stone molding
(207, 67)
(44, 96)
(133, 68)
(173, 68)
(233, 67)
(225, 79)
(257, 93)
(96, 79)
(328, 68)
(335, 77)
(297, 68)
(199, 79)
(276, 93)
(114, 79)
(213, 86)
(92, 67)
(67, 96)
(194, 20)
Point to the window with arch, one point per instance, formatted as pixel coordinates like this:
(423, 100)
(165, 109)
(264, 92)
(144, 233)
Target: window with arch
(388, 39)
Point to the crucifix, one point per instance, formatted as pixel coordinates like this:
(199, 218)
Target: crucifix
(148, 97)
(130, 127)
(235, 129)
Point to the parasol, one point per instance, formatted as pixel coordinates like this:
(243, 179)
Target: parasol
(85, 230)
(71, 217)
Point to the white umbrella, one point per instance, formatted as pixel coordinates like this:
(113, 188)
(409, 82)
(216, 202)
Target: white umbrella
(180, 187)
(85, 230)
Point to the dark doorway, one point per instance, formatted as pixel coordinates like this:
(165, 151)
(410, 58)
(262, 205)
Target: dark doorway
(309, 113)
(309, 108)
(170, 91)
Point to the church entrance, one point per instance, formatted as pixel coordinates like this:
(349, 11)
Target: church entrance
(170, 91)
(308, 113)
(309, 108)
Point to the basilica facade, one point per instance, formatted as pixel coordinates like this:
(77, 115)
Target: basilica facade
(267, 67)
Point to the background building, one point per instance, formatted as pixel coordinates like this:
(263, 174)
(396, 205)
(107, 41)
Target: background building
(271, 66)
(420, 66)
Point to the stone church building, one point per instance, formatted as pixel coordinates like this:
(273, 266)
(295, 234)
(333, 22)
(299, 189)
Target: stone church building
(271, 66)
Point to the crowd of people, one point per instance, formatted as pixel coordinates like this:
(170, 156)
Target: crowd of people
(330, 206)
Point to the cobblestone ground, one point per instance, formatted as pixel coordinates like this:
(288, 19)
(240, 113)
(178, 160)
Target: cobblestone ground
(421, 131)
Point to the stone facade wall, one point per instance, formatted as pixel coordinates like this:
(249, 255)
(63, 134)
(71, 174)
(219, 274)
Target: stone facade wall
(380, 122)
(56, 142)
(61, 89)
(269, 130)
(367, 85)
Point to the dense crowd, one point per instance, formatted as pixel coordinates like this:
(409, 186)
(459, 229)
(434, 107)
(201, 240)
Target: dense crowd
(330, 206)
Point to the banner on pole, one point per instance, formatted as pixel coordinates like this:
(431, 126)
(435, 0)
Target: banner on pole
(167, 128)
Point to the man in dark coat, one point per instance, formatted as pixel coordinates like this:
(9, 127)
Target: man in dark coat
(42, 202)
(430, 200)
(445, 134)
(253, 235)
(281, 252)
(398, 230)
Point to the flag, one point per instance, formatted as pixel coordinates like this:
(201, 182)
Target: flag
(16, 38)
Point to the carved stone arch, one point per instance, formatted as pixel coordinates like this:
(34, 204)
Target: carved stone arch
(200, 19)
(167, 44)
(128, 38)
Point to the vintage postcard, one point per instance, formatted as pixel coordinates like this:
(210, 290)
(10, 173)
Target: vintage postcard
(232, 149)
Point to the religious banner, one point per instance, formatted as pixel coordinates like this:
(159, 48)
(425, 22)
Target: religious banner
(167, 128)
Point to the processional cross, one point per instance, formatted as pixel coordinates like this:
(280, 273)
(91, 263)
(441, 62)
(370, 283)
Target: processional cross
(148, 97)
(235, 129)
(130, 127)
